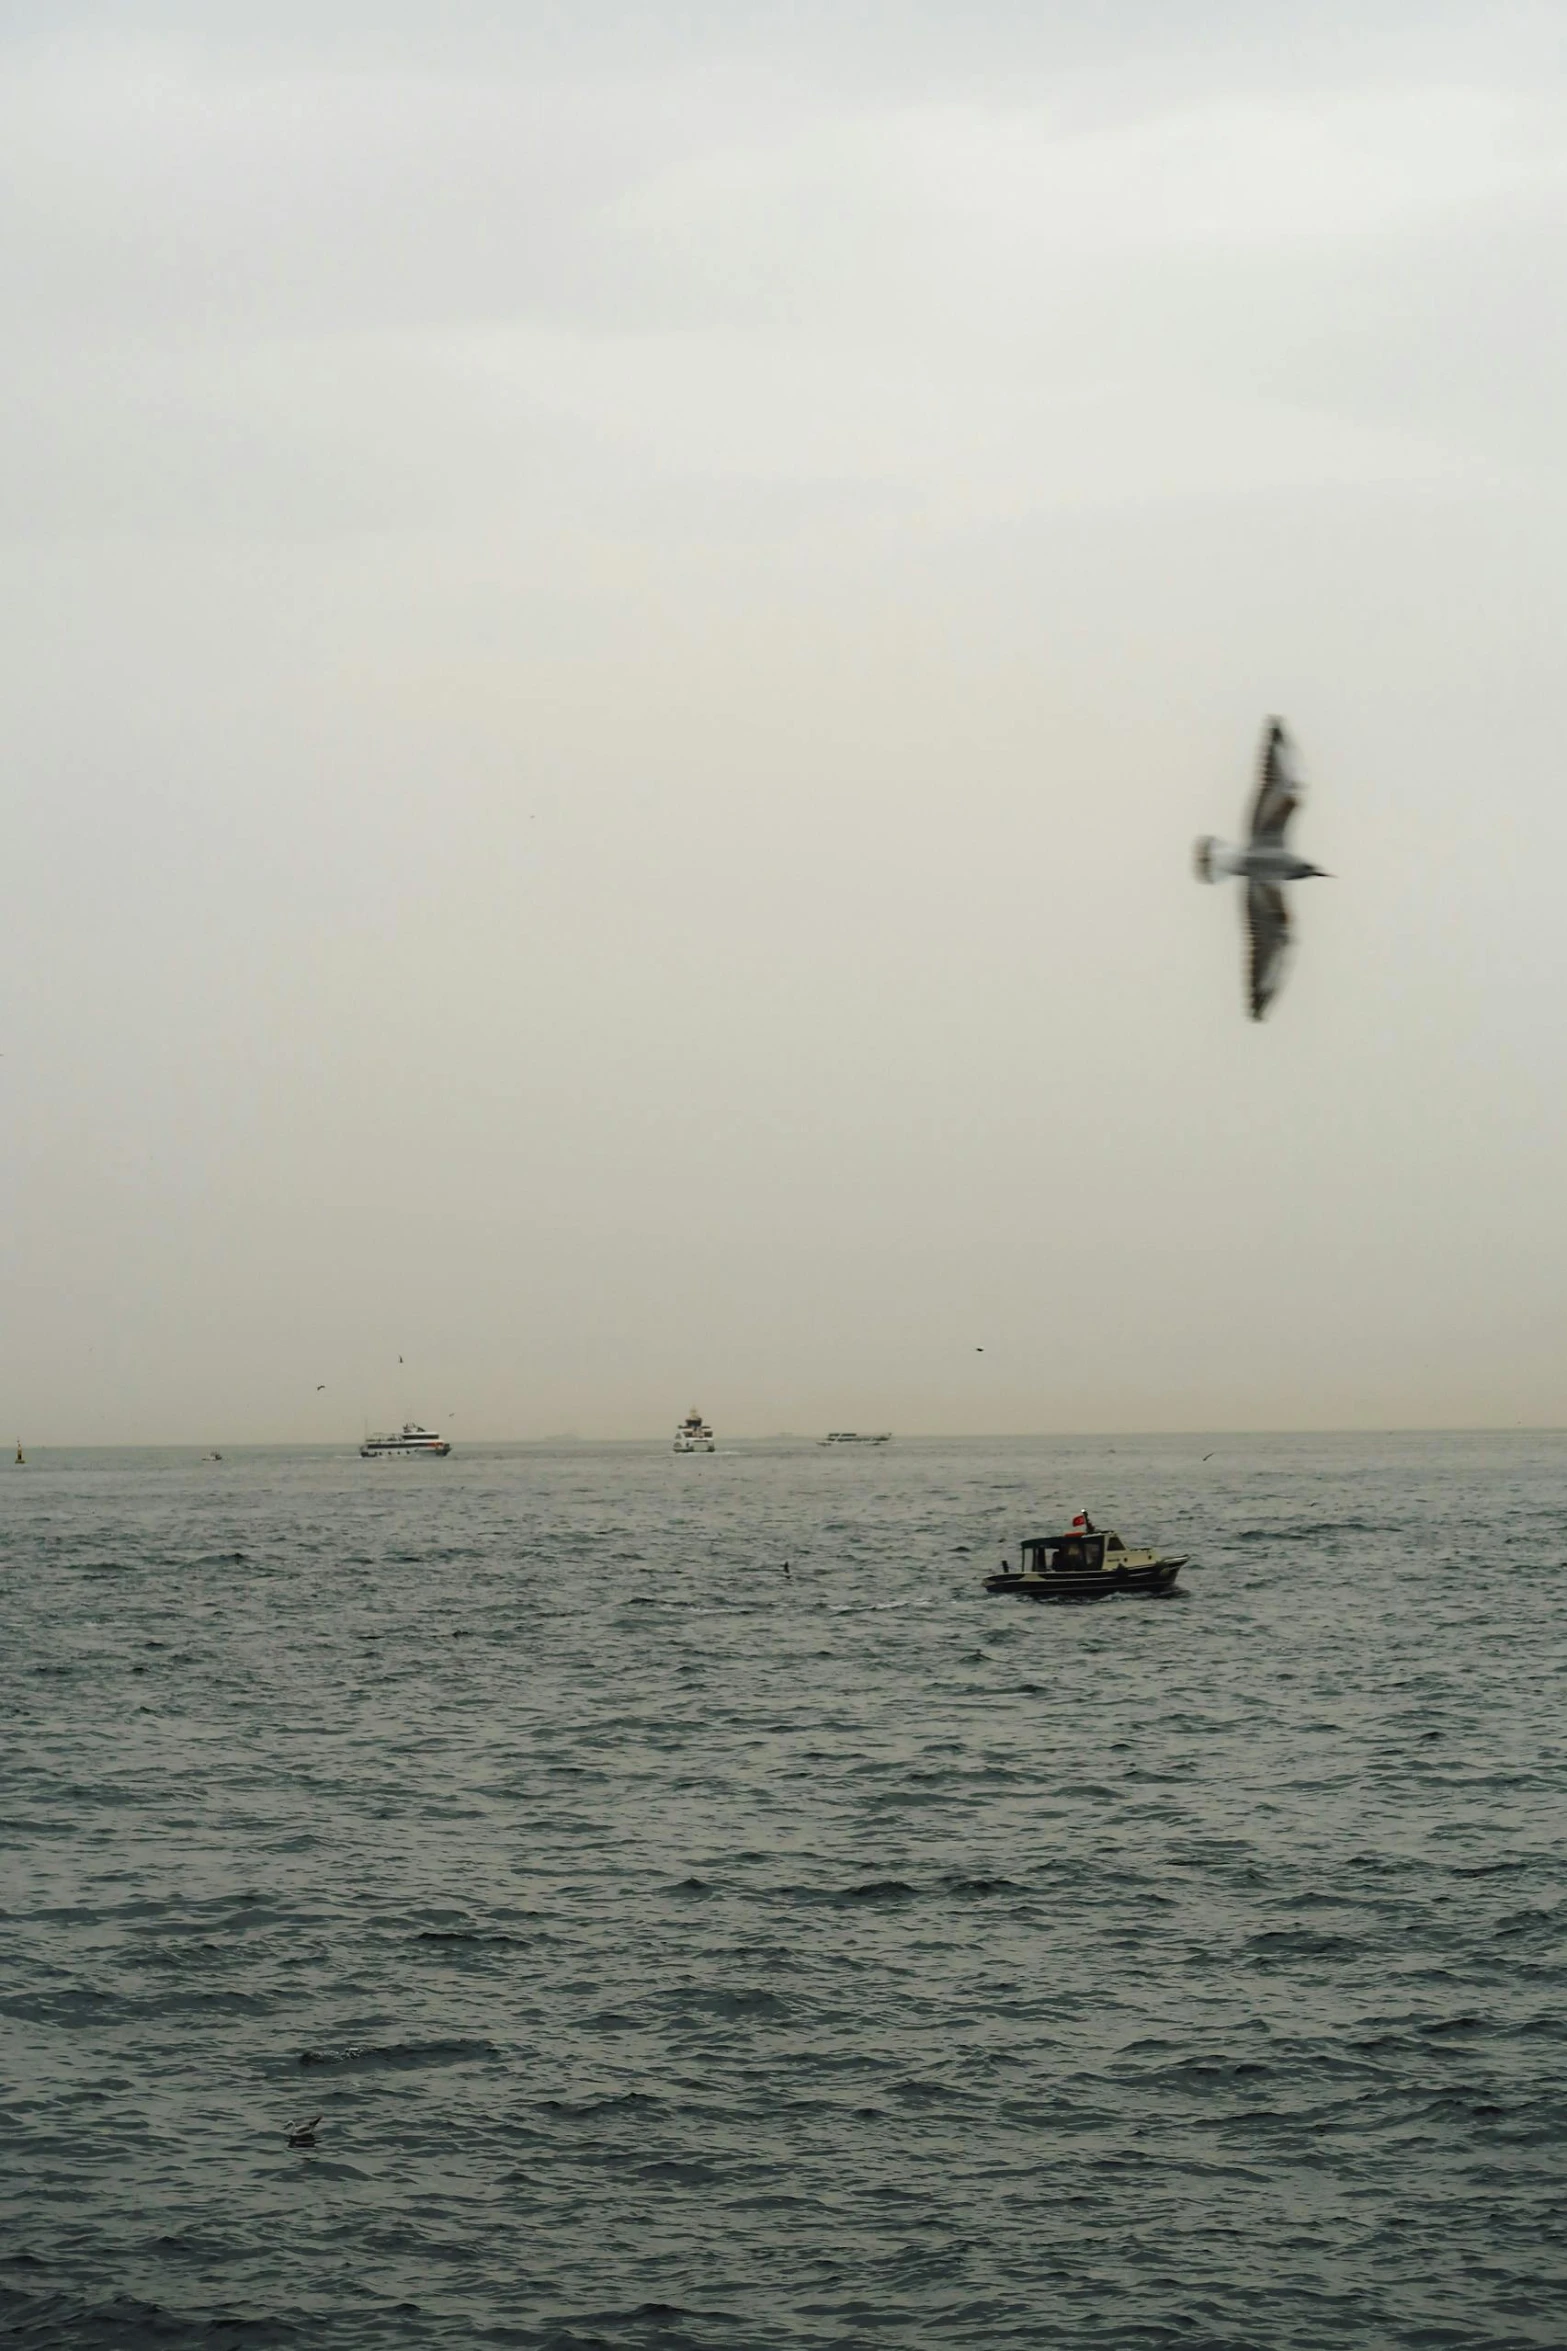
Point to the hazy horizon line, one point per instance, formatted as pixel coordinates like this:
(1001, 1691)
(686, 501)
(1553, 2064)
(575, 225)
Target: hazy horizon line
(805, 1437)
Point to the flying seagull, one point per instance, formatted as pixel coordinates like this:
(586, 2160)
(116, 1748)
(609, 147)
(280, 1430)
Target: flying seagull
(1265, 864)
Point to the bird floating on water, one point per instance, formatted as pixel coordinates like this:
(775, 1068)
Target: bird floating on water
(303, 2134)
(1265, 864)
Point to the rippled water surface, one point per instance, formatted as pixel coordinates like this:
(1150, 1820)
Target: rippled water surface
(680, 1952)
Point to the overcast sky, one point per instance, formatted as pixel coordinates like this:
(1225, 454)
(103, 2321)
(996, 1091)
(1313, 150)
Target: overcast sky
(615, 625)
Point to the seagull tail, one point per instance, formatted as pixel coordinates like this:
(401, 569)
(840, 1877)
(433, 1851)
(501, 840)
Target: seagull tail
(1215, 861)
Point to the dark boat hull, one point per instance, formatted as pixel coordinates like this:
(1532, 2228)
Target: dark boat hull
(1089, 1584)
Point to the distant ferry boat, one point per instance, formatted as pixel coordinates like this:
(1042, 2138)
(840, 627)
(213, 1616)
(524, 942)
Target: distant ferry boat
(853, 1437)
(694, 1435)
(409, 1439)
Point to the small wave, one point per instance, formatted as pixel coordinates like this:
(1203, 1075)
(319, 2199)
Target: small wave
(872, 1607)
(679, 2171)
(1314, 1530)
(750, 2001)
(613, 2102)
(126, 2323)
(649, 2319)
(874, 1891)
(395, 2054)
(1300, 1943)
(1528, 1922)
(918, 2092)
(468, 1935)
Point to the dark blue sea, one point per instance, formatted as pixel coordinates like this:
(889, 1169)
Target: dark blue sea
(682, 1953)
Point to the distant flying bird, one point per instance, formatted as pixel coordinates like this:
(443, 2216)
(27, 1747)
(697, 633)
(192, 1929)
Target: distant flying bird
(320, 1387)
(1266, 865)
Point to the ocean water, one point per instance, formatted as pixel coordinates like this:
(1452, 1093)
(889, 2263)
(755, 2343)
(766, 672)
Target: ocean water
(682, 1953)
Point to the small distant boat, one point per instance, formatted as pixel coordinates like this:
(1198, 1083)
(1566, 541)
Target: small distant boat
(408, 1442)
(695, 1435)
(853, 1437)
(1086, 1563)
(212, 1457)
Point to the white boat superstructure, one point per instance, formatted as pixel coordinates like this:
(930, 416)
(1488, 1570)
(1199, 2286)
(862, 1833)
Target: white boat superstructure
(407, 1442)
(695, 1435)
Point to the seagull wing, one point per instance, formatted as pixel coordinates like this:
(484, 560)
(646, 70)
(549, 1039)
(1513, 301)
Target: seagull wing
(1279, 788)
(1268, 926)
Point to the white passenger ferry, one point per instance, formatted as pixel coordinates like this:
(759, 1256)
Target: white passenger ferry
(408, 1440)
(695, 1435)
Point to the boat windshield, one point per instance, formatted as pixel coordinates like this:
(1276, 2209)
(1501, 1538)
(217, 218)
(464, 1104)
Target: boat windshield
(1063, 1554)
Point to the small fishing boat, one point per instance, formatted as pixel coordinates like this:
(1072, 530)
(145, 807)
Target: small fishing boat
(1086, 1563)
(853, 1437)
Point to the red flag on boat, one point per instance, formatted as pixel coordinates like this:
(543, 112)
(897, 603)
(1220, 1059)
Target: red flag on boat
(1084, 1521)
